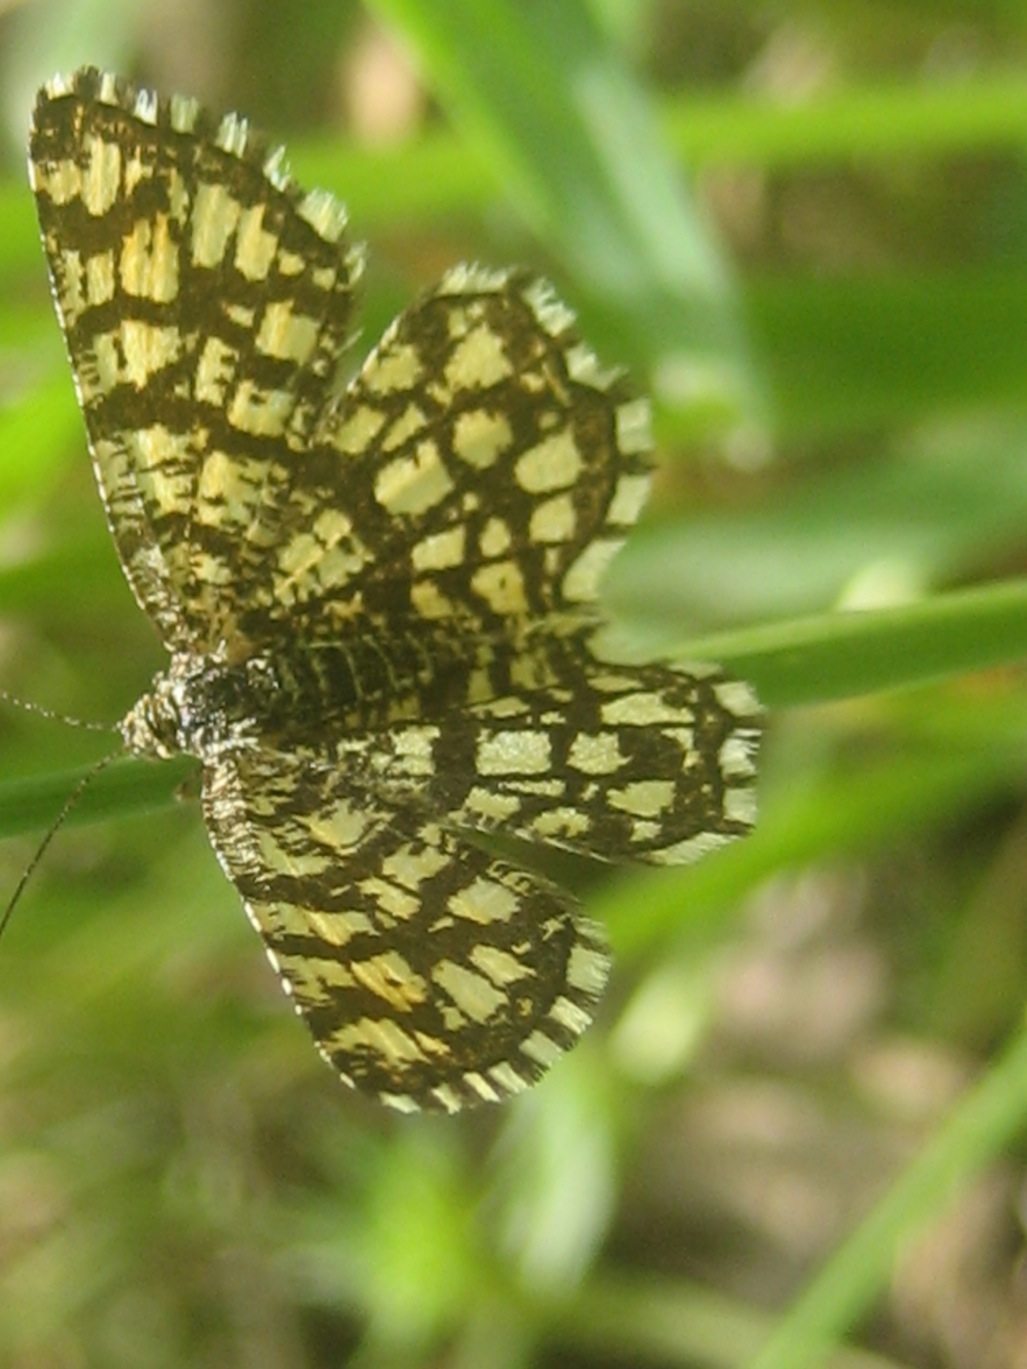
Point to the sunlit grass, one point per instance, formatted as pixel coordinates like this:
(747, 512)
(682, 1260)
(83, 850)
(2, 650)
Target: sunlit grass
(181, 1181)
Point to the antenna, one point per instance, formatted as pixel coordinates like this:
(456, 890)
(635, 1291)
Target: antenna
(55, 717)
(55, 827)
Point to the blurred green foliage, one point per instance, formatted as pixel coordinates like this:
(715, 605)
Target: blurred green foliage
(804, 226)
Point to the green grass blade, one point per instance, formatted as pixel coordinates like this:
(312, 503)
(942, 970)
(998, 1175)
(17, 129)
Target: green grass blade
(571, 139)
(837, 655)
(990, 1117)
(126, 787)
(875, 121)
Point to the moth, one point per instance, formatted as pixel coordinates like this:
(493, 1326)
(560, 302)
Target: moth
(378, 594)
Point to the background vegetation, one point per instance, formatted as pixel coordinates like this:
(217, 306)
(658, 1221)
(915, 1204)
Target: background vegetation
(795, 1138)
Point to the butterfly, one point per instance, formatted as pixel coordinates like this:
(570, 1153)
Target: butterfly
(379, 595)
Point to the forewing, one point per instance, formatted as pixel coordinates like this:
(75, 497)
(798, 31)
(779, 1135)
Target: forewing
(645, 762)
(205, 301)
(482, 467)
(431, 974)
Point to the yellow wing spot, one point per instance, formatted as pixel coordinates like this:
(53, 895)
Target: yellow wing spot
(286, 335)
(596, 753)
(101, 182)
(149, 261)
(383, 1037)
(330, 551)
(100, 278)
(214, 370)
(642, 710)
(581, 583)
(428, 601)
(412, 867)
(560, 824)
(393, 368)
(215, 215)
(684, 736)
(262, 412)
(643, 798)
(500, 966)
(324, 277)
(611, 683)
(501, 585)
(277, 856)
(487, 804)
(394, 902)
(480, 437)
(391, 978)
(633, 427)
(359, 431)
(440, 551)
(554, 520)
(410, 422)
(158, 458)
(225, 484)
(472, 993)
(514, 753)
(211, 569)
(477, 360)
(629, 496)
(343, 829)
(554, 464)
(255, 247)
(508, 706)
(337, 928)
(414, 747)
(137, 171)
(311, 979)
(413, 484)
(546, 789)
(60, 183)
(483, 901)
(734, 695)
(495, 538)
(145, 349)
(292, 264)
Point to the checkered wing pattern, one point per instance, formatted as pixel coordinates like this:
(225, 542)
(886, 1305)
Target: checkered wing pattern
(430, 973)
(380, 597)
(205, 302)
(495, 467)
(549, 743)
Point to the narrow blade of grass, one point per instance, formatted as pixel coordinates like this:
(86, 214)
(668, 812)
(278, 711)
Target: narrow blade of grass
(838, 655)
(565, 131)
(990, 1117)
